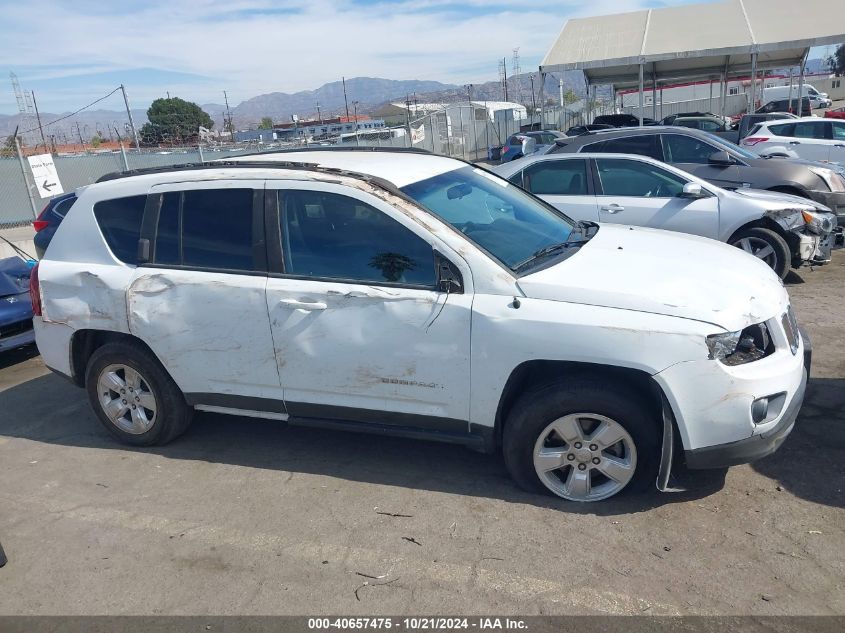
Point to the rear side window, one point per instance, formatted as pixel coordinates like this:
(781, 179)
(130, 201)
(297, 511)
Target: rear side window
(557, 177)
(808, 129)
(645, 145)
(120, 222)
(207, 228)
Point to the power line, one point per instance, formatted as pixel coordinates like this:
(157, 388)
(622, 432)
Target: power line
(67, 116)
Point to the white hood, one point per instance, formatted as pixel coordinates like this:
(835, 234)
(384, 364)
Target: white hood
(667, 273)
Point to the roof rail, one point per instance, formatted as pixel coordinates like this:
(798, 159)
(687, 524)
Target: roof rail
(254, 164)
(341, 148)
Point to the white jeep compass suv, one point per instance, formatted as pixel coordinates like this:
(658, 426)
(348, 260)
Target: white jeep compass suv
(406, 293)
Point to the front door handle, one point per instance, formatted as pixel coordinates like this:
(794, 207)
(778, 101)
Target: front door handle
(839, 144)
(293, 304)
(613, 208)
(795, 142)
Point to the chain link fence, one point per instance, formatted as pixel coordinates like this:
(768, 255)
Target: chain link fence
(462, 130)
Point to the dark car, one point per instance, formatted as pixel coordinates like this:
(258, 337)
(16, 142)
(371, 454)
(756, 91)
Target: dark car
(716, 160)
(15, 306)
(575, 130)
(621, 120)
(48, 220)
(786, 105)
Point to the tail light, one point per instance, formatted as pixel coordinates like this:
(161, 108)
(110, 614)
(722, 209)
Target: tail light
(35, 291)
(39, 224)
(753, 140)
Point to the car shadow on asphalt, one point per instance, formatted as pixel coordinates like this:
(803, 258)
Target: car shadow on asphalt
(19, 355)
(811, 463)
(267, 444)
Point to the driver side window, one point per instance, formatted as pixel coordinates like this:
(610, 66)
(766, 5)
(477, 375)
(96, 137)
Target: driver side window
(621, 177)
(332, 236)
(686, 149)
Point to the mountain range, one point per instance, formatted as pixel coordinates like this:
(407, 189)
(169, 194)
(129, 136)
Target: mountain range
(366, 94)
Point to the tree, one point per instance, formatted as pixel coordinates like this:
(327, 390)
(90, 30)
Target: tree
(174, 120)
(8, 148)
(266, 123)
(839, 59)
(569, 96)
(96, 141)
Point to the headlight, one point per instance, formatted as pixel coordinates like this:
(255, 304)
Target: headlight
(744, 346)
(819, 223)
(833, 180)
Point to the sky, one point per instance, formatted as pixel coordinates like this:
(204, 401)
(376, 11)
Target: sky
(71, 53)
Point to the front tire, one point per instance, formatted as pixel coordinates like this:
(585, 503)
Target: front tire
(134, 397)
(581, 440)
(766, 245)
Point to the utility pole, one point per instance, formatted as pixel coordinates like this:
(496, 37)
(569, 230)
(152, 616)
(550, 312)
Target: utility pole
(505, 68)
(357, 137)
(533, 100)
(131, 122)
(38, 118)
(345, 101)
(79, 134)
(228, 122)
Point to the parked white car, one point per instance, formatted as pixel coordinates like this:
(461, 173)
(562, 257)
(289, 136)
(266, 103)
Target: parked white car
(412, 294)
(817, 139)
(780, 229)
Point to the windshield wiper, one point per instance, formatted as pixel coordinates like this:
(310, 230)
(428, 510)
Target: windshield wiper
(546, 251)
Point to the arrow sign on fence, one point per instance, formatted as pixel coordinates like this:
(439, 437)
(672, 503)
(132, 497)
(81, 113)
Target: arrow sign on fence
(45, 176)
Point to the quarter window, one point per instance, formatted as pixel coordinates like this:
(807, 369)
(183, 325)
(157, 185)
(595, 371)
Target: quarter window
(120, 221)
(645, 145)
(784, 129)
(838, 130)
(557, 177)
(620, 177)
(331, 236)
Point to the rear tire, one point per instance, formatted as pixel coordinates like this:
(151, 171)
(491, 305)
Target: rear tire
(581, 440)
(767, 246)
(134, 397)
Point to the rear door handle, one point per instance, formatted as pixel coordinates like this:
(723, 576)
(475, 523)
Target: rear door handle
(795, 142)
(613, 208)
(293, 304)
(839, 144)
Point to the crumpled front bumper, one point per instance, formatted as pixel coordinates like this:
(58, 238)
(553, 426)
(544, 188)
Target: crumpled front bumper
(712, 403)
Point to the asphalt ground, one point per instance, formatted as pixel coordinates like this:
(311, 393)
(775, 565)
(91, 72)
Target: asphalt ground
(245, 516)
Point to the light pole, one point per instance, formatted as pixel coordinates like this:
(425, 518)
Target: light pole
(533, 101)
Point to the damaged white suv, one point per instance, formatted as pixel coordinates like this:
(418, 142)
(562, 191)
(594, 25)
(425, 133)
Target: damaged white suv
(406, 293)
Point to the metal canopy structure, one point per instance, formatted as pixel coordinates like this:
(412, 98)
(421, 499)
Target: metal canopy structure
(695, 41)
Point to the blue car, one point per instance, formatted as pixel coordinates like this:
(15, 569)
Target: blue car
(48, 221)
(15, 306)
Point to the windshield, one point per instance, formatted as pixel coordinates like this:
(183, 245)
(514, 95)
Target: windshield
(501, 218)
(736, 149)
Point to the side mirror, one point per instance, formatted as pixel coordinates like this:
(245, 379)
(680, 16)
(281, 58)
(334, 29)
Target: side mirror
(692, 190)
(720, 158)
(449, 278)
